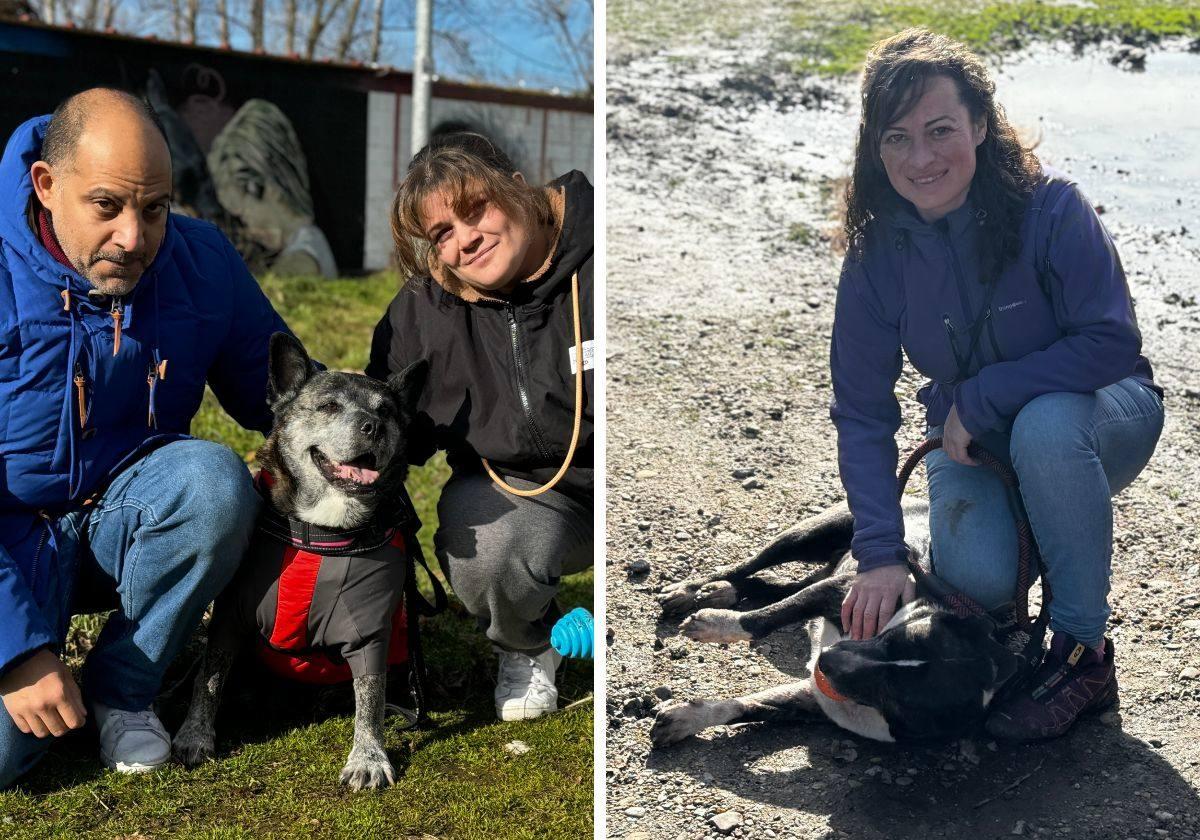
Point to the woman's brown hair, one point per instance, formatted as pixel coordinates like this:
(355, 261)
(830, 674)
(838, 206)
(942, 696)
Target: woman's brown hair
(465, 167)
(897, 71)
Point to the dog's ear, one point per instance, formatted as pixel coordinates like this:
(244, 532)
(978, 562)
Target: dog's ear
(408, 384)
(290, 367)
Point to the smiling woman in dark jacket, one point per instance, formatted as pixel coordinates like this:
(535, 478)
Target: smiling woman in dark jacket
(500, 299)
(996, 277)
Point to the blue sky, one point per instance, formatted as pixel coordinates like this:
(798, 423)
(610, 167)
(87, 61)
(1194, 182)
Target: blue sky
(507, 46)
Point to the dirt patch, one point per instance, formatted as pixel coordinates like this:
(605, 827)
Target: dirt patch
(720, 304)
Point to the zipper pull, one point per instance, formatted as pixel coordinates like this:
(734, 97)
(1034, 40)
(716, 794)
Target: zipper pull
(66, 296)
(81, 394)
(949, 326)
(118, 315)
(151, 380)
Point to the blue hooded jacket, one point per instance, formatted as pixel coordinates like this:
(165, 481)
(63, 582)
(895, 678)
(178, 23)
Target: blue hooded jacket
(196, 316)
(1059, 318)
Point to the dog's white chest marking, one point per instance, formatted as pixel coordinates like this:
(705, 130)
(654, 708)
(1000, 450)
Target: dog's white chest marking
(859, 719)
(332, 510)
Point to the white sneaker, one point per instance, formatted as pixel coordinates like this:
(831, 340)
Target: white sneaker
(525, 684)
(131, 742)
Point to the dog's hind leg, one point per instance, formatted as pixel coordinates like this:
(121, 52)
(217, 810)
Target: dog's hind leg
(368, 765)
(786, 702)
(824, 598)
(195, 741)
(823, 538)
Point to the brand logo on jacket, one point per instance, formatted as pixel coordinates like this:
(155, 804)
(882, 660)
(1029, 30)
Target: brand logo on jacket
(1012, 305)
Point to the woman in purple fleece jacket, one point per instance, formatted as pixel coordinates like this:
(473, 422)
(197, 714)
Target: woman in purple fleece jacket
(995, 276)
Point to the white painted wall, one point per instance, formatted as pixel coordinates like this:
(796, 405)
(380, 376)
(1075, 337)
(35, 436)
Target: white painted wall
(544, 143)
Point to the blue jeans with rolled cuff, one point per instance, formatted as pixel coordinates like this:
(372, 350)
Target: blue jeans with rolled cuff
(1071, 453)
(159, 545)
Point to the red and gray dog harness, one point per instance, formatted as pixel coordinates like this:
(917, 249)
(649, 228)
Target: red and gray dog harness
(328, 605)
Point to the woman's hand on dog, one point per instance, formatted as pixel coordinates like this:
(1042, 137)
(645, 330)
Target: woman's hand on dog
(956, 439)
(873, 598)
(41, 696)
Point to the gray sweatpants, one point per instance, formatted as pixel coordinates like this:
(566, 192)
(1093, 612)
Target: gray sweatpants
(504, 555)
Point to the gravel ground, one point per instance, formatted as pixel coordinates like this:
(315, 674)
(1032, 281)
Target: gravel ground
(720, 302)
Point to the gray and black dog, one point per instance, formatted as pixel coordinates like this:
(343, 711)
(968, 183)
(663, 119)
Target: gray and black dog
(336, 463)
(929, 674)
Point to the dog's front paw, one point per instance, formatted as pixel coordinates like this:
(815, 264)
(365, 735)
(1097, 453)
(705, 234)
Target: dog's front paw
(674, 723)
(193, 745)
(368, 768)
(686, 596)
(715, 626)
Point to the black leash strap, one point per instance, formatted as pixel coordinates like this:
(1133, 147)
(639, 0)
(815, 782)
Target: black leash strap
(1028, 561)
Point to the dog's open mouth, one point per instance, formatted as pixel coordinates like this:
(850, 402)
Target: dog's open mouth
(357, 473)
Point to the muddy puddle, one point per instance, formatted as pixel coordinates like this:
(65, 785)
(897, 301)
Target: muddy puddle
(1131, 139)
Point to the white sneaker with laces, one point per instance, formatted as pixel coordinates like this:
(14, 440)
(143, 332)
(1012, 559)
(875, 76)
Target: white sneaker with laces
(131, 742)
(525, 684)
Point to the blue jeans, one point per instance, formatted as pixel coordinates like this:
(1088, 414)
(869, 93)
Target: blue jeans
(1071, 454)
(162, 542)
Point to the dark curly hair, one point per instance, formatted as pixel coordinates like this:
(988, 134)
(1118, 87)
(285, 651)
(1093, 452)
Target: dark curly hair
(896, 74)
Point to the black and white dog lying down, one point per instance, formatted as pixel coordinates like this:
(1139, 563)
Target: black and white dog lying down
(334, 464)
(929, 674)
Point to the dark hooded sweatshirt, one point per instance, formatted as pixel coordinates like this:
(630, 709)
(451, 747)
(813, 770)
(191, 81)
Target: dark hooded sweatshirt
(501, 382)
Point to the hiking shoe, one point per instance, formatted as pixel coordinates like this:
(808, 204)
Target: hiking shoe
(131, 742)
(1073, 680)
(525, 684)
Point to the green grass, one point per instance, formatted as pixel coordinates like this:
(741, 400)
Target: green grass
(830, 37)
(281, 746)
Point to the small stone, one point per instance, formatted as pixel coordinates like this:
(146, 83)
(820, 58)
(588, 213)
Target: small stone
(743, 472)
(726, 822)
(813, 302)
(1189, 673)
(751, 431)
(663, 693)
(1019, 828)
(516, 747)
(632, 707)
(752, 484)
(904, 780)
(635, 812)
(638, 567)
(682, 535)
(1163, 816)
(1155, 742)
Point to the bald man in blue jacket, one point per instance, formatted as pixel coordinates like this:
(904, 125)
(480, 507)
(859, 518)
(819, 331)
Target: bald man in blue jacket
(114, 314)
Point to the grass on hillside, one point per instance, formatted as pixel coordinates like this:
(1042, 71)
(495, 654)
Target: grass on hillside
(281, 746)
(831, 37)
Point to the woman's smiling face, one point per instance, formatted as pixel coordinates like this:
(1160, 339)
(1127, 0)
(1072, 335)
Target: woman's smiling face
(929, 154)
(485, 247)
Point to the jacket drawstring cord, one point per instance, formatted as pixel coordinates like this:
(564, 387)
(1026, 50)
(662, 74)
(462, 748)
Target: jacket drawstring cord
(158, 368)
(578, 408)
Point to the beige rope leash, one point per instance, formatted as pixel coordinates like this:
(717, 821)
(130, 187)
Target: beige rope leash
(578, 408)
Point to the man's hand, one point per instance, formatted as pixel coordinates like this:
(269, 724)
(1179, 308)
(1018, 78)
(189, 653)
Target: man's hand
(955, 439)
(871, 601)
(41, 696)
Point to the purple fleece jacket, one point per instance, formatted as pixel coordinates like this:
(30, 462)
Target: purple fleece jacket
(1060, 319)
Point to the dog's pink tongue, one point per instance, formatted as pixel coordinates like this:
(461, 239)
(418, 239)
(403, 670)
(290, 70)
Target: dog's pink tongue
(359, 475)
